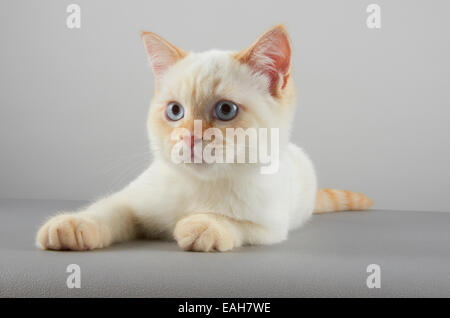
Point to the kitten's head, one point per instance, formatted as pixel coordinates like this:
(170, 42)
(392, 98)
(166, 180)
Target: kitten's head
(251, 88)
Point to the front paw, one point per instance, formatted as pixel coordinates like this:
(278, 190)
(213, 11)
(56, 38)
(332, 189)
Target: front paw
(70, 232)
(204, 233)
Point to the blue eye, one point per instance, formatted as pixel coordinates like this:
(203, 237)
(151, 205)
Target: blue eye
(226, 110)
(174, 111)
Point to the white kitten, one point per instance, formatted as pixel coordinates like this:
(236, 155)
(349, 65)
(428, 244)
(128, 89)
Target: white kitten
(219, 206)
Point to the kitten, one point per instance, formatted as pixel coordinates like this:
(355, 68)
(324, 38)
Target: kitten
(210, 207)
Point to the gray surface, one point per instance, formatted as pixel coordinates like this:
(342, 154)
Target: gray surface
(328, 257)
(374, 105)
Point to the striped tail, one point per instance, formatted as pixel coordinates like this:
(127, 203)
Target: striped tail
(332, 200)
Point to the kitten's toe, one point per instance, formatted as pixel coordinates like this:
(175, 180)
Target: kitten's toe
(69, 232)
(203, 233)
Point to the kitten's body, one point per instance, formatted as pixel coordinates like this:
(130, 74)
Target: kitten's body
(162, 196)
(219, 206)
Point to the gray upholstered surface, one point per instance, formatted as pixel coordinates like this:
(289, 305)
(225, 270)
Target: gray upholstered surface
(327, 257)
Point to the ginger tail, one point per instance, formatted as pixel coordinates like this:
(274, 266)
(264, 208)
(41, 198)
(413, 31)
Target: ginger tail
(332, 200)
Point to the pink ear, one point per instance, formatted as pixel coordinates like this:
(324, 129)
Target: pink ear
(161, 53)
(270, 55)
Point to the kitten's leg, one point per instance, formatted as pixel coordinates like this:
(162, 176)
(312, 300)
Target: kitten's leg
(207, 232)
(106, 221)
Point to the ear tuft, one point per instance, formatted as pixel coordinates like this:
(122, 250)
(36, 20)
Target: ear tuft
(160, 53)
(270, 55)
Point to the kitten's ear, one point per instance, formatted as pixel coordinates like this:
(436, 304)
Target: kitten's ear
(161, 53)
(270, 55)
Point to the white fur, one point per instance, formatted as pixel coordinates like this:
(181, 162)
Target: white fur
(257, 208)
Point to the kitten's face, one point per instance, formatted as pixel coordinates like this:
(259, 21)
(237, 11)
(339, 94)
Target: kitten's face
(248, 89)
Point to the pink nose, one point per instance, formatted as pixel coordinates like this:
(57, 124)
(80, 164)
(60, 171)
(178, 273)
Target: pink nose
(191, 141)
(191, 144)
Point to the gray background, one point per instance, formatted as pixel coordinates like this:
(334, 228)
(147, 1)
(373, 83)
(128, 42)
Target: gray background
(373, 104)
(328, 257)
